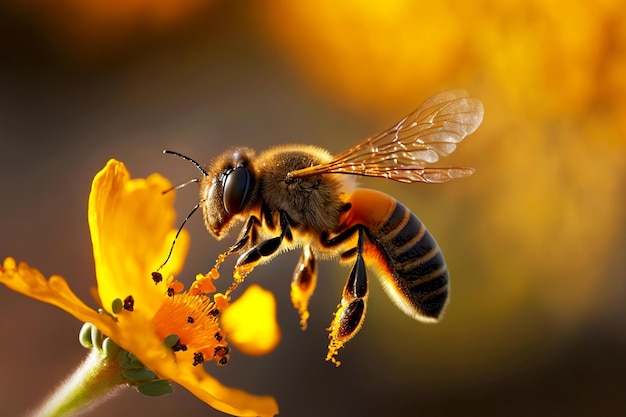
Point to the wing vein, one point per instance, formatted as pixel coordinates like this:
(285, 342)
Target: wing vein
(402, 152)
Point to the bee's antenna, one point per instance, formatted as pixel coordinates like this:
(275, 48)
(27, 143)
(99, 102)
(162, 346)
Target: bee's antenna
(178, 233)
(176, 187)
(186, 158)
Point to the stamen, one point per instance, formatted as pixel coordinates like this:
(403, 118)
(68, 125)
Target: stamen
(222, 354)
(193, 319)
(179, 347)
(157, 277)
(202, 285)
(129, 303)
(198, 358)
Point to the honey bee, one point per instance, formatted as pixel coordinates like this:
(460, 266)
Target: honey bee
(300, 196)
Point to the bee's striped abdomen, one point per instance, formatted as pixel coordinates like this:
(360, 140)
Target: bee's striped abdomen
(417, 265)
(411, 265)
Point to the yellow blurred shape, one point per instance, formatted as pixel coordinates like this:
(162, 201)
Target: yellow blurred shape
(375, 52)
(250, 322)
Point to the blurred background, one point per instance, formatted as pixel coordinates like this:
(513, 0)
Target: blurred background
(535, 240)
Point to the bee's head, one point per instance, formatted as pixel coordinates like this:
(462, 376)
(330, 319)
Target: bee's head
(228, 189)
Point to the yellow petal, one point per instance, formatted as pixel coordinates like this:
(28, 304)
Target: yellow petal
(30, 282)
(132, 227)
(136, 333)
(250, 322)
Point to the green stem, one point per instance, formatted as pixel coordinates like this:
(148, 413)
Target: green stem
(93, 382)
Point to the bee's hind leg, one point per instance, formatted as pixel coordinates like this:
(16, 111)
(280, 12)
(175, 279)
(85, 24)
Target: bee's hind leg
(351, 311)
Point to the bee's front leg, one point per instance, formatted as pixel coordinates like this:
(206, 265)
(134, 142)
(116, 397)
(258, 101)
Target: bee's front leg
(264, 249)
(248, 236)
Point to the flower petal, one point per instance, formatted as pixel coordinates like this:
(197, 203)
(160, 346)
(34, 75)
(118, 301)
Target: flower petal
(131, 224)
(30, 282)
(250, 322)
(136, 333)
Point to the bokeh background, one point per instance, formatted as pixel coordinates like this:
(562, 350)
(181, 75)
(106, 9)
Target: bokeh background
(535, 240)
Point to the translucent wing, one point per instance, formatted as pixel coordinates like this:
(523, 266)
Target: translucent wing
(401, 153)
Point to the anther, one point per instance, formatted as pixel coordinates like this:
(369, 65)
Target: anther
(170, 292)
(221, 355)
(179, 347)
(198, 358)
(190, 320)
(129, 303)
(157, 277)
(221, 350)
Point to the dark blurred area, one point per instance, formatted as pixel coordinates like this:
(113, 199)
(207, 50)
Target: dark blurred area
(535, 240)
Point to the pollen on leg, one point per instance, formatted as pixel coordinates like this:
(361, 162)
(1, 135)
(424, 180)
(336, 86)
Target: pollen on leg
(347, 322)
(336, 342)
(190, 317)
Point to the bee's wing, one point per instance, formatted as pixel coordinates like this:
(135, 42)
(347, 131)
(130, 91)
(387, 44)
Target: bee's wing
(401, 152)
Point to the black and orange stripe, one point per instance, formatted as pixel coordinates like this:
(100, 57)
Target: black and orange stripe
(410, 264)
(414, 260)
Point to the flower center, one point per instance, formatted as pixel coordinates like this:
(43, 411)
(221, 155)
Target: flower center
(194, 319)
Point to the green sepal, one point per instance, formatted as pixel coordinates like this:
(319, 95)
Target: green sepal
(156, 388)
(110, 349)
(127, 361)
(96, 337)
(139, 375)
(84, 336)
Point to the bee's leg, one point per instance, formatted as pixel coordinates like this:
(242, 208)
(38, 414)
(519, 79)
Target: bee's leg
(303, 284)
(248, 235)
(351, 311)
(266, 248)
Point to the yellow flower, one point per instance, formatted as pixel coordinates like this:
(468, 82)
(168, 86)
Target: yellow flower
(131, 230)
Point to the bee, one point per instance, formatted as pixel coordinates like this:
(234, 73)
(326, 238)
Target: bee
(301, 196)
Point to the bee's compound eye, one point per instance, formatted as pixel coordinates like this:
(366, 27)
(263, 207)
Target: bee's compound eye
(237, 187)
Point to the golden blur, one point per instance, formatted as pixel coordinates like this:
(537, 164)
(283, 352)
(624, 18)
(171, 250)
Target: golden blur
(257, 308)
(534, 240)
(551, 154)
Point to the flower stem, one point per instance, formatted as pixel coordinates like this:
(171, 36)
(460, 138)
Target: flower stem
(93, 382)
